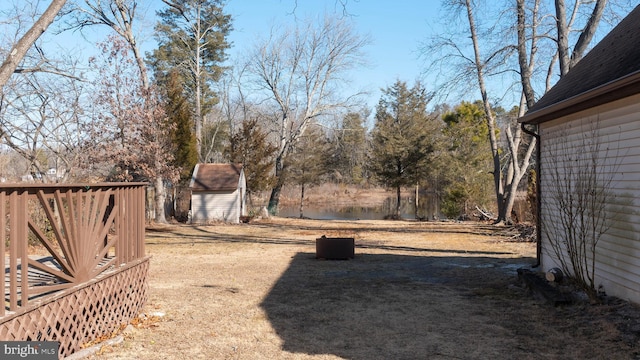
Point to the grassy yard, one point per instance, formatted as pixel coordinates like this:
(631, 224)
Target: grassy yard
(415, 290)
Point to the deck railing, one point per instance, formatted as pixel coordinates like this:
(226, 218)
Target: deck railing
(78, 232)
(74, 260)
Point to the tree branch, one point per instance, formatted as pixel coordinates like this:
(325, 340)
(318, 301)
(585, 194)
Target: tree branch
(20, 49)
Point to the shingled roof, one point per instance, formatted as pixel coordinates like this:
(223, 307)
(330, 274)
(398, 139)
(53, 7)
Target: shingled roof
(215, 177)
(610, 71)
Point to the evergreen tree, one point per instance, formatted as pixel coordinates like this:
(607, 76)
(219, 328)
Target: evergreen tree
(466, 159)
(402, 138)
(183, 139)
(250, 147)
(192, 37)
(306, 164)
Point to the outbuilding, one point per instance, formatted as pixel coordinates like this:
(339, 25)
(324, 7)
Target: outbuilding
(589, 166)
(218, 193)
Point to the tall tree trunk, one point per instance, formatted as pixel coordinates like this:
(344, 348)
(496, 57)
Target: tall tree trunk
(588, 32)
(274, 198)
(198, 82)
(198, 120)
(127, 14)
(519, 167)
(23, 45)
(569, 59)
(563, 37)
(417, 201)
(141, 64)
(525, 62)
(302, 201)
(398, 199)
(527, 98)
(160, 197)
(491, 123)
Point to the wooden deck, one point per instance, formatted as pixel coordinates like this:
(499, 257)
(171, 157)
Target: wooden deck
(37, 278)
(90, 273)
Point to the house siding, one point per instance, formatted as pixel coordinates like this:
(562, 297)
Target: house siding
(207, 206)
(615, 127)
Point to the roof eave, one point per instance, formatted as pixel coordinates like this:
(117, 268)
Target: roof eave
(614, 90)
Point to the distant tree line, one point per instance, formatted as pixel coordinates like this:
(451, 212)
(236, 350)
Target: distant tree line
(287, 110)
(444, 151)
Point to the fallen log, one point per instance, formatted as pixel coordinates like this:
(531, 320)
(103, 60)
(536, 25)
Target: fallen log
(487, 215)
(554, 275)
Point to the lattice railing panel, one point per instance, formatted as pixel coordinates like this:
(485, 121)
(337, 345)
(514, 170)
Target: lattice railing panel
(81, 314)
(82, 229)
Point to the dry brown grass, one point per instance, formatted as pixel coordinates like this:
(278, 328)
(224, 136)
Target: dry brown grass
(333, 195)
(414, 291)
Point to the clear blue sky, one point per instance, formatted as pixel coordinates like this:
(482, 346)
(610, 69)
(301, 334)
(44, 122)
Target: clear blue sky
(396, 30)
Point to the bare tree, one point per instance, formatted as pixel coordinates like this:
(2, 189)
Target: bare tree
(131, 132)
(567, 57)
(234, 104)
(480, 66)
(579, 198)
(300, 71)
(235, 109)
(530, 31)
(40, 110)
(536, 36)
(192, 38)
(41, 115)
(120, 16)
(23, 45)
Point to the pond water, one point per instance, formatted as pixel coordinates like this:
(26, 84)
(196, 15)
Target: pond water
(427, 209)
(356, 212)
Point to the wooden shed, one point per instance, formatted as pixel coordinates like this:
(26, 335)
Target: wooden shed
(589, 168)
(218, 193)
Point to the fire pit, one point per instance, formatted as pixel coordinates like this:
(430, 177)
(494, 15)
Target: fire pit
(335, 248)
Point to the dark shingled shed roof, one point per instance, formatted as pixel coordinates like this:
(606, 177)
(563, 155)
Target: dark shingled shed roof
(609, 72)
(216, 177)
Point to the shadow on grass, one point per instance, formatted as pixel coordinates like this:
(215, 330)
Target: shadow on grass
(384, 306)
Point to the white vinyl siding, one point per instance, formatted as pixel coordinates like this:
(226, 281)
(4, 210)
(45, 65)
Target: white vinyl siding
(206, 206)
(618, 137)
(218, 205)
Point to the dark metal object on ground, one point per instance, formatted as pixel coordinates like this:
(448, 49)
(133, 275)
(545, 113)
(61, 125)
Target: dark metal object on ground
(335, 248)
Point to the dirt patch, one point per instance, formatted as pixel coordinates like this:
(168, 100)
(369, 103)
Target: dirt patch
(414, 291)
